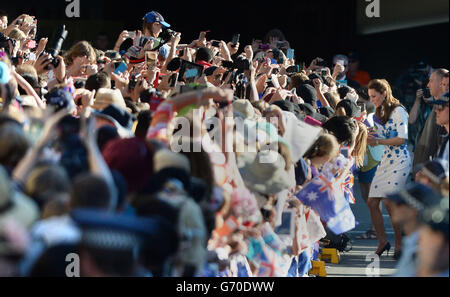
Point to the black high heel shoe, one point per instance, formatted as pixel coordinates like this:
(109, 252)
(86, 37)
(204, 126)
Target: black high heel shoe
(386, 248)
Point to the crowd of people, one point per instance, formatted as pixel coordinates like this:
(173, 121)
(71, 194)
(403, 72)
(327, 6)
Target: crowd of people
(209, 159)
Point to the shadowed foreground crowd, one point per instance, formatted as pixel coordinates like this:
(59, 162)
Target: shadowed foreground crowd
(157, 158)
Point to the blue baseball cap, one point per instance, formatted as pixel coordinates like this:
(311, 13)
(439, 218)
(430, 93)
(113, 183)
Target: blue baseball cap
(417, 196)
(436, 170)
(111, 231)
(153, 17)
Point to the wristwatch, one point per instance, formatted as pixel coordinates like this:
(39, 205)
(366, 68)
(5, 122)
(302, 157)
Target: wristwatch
(377, 142)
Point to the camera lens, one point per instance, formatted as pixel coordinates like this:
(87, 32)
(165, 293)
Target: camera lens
(426, 93)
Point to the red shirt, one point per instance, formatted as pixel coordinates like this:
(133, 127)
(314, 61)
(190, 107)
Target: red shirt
(362, 77)
(205, 64)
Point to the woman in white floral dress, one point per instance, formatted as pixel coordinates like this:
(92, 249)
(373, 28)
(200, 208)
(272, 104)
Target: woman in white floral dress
(395, 166)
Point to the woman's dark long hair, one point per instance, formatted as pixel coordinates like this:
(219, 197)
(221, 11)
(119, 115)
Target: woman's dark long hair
(385, 110)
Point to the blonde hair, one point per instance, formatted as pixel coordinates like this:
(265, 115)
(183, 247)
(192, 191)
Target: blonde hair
(271, 109)
(285, 152)
(27, 69)
(325, 145)
(17, 34)
(57, 206)
(384, 111)
(260, 105)
(360, 145)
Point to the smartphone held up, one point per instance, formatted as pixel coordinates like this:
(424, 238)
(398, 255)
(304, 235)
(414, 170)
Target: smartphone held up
(151, 59)
(235, 39)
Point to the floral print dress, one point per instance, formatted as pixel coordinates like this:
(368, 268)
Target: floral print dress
(396, 163)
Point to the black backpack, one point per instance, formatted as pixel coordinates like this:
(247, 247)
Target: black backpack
(340, 242)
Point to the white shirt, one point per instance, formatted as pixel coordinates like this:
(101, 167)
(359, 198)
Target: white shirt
(445, 155)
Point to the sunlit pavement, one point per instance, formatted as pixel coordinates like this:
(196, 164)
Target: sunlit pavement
(358, 262)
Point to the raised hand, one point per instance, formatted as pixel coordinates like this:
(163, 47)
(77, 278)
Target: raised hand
(60, 71)
(124, 35)
(225, 51)
(152, 73)
(175, 39)
(253, 67)
(88, 98)
(41, 46)
(42, 63)
(317, 83)
(141, 86)
(233, 49)
(337, 70)
(249, 52)
(149, 45)
(313, 64)
(88, 128)
(137, 38)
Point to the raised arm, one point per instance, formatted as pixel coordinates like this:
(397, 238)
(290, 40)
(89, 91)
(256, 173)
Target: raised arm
(318, 87)
(173, 49)
(23, 169)
(414, 113)
(28, 88)
(97, 164)
(166, 110)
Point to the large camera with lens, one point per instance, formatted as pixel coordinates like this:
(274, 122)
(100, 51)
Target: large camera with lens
(426, 93)
(167, 34)
(60, 38)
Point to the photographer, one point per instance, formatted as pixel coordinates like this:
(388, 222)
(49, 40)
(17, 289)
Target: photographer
(153, 27)
(419, 113)
(429, 140)
(147, 40)
(80, 60)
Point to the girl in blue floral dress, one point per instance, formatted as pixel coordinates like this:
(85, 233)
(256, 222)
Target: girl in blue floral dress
(395, 166)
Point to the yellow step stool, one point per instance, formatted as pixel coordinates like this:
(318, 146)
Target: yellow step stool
(318, 268)
(330, 255)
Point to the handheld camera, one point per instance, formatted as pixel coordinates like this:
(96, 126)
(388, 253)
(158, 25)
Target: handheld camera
(60, 38)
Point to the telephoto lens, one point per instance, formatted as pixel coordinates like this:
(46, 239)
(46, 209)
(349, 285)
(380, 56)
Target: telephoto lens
(60, 38)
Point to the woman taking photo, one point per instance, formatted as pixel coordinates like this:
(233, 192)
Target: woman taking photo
(80, 60)
(153, 25)
(395, 164)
